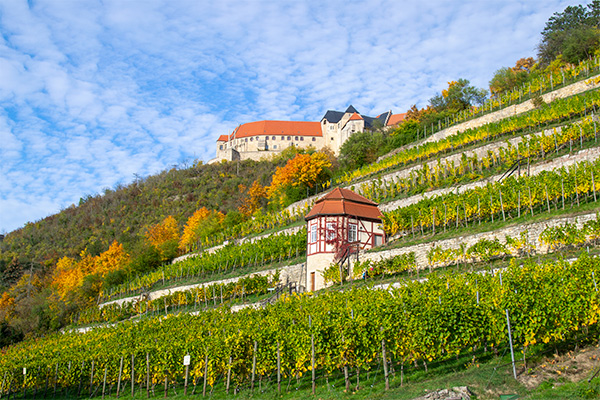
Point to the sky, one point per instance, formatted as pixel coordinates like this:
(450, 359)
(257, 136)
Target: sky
(96, 93)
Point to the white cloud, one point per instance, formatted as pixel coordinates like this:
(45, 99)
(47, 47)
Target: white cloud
(94, 92)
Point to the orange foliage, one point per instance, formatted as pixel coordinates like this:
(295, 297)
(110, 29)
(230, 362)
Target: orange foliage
(303, 169)
(189, 231)
(256, 193)
(163, 232)
(7, 306)
(524, 64)
(69, 273)
(112, 259)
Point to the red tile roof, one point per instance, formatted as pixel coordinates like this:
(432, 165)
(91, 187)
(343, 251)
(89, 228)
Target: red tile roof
(223, 138)
(287, 128)
(355, 117)
(345, 202)
(396, 119)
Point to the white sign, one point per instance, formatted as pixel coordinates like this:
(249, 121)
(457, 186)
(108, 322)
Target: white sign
(186, 360)
(24, 371)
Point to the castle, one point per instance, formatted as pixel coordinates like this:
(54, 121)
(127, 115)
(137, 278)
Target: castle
(261, 139)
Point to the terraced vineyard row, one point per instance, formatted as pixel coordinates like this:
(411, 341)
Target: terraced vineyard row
(420, 321)
(558, 111)
(276, 248)
(506, 199)
(526, 151)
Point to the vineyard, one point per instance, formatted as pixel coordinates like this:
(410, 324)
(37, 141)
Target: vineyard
(355, 330)
(224, 321)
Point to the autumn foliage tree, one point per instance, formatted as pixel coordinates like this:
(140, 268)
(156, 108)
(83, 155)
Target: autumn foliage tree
(69, 274)
(164, 236)
(254, 199)
(299, 175)
(199, 227)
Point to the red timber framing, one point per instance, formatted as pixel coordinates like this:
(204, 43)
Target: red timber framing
(326, 231)
(343, 221)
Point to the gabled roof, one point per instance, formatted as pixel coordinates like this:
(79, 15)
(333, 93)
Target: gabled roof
(355, 117)
(291, 128)
(351, 109)
(396, 119)
(345, 202)
(223, 138)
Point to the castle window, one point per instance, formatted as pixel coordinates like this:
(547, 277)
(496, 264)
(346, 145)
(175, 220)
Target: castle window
(251, 139)
(314, 139)
(313, 233)
(331, 127)
(221, 147)
(274, 147)
(301, 138)
(247, 140)
(273, 138)
(289, 138)
(266, 138)
(296, 138)
(331, 138)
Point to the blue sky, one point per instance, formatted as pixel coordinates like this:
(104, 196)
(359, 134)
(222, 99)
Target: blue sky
(94, 92)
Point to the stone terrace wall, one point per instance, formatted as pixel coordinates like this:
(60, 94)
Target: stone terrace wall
(533, 232)
(290, 273)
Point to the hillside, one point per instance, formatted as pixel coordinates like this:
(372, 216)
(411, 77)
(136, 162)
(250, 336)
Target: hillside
(492, 219)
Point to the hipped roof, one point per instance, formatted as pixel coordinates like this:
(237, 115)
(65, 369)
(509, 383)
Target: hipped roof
(286, 128)
(345, 202)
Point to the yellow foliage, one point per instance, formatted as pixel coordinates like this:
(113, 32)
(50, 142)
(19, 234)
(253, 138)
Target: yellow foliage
(69, 273)
(67, 276)
(112, 259)
(446, 92)
(189, 231)
(163, 232)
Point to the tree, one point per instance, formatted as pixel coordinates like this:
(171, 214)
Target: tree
(201, 225)
(459, 96)
(165, 237)
(506, 78)
(299, 174)
(188, 238)
(361, 148)
(254, 200)
(573, 33)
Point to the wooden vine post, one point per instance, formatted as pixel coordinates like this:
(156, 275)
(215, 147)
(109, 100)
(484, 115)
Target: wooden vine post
(253, 366)
(186, 363)
(132, 375)
(119, 378)
(278, 369)
(385, 366)
(312, 356)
